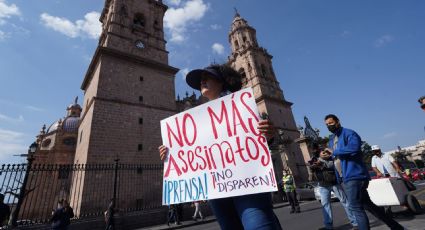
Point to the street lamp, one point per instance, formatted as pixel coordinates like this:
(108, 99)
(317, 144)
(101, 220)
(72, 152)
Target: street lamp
(22, 193)
(33, 148)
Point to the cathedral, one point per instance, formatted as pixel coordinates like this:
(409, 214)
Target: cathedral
(129, 88)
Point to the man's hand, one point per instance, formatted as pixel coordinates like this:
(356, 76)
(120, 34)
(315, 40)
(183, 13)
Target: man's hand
(379, 174)
(163, 150)
(325, 154)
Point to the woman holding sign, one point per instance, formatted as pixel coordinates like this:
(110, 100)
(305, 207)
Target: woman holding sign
(253, 211)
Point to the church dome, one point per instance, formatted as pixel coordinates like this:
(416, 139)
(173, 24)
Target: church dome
(74, 106)
(70, 124)
(74, 109)
(53, 127)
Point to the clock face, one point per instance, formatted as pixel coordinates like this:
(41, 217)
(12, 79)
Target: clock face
(140, 45)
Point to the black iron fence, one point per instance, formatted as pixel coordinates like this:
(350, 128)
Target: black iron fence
(88, 188)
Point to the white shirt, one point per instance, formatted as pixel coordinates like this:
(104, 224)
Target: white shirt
(385, 161)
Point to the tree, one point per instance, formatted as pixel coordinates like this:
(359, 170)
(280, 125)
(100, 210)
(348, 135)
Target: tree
(367, 154)
(419, 163)
(399, 156)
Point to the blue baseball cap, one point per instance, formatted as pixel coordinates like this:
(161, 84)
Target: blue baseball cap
(193, 78)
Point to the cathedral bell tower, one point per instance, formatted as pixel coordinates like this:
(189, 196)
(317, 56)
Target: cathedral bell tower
(254, 63)
(128, 89)
(129, 86)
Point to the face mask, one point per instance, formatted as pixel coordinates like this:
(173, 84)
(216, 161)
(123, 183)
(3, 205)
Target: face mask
(332, 128)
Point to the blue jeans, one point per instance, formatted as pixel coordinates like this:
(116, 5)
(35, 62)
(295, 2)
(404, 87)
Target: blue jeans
(359, 201)
(247, 212)
(325, 199)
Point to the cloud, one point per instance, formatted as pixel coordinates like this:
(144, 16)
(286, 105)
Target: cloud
(33, 108)
(218, 48)
(345, 34)
(90, 26)
(3, 35)
(215, 27)
(184, 72)
(9, 136)
(11, 143)
(5, 118)
(177, 20)
(389, 135)
(173, 2)
(384, 40)
(7, 11)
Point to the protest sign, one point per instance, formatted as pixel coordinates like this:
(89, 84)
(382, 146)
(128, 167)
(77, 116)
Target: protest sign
(216, 151)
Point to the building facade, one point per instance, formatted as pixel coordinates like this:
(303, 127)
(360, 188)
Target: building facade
(254, 63)
(129, 88)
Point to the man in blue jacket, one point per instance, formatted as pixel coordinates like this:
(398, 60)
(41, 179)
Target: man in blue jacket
(345, 146)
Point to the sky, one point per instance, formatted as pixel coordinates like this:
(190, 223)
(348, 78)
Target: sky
(361, 60)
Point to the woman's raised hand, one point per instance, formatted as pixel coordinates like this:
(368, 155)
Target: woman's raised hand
(163, 150)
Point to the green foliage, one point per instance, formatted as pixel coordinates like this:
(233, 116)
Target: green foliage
(419, 163)
(400, 156)
(367, 154)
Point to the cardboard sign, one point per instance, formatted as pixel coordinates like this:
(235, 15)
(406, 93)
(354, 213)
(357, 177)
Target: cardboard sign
(216, 151)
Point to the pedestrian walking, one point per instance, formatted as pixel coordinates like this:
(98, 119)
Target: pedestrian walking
(324, 171)
(4, 211)
(197, 206)
(109, 216)
(345, 146)
(173, 215)
(242, 212)
(289, 188)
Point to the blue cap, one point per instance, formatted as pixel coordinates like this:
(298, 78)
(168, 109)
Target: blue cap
(193, 78)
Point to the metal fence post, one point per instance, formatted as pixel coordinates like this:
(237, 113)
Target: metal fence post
(115, 181)
(22, 193)
(111, 209)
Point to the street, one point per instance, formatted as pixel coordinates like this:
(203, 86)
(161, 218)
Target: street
(311, 216)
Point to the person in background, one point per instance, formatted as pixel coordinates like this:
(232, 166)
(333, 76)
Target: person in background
(197, 205)
(289, 188)
(384, 164)
(4, 211)
(173, 215)
(109, 216)
(345, 147)
(324, 171)
(61, 217)
(249, 212)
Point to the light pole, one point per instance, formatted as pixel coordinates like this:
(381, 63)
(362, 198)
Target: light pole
(30, 157)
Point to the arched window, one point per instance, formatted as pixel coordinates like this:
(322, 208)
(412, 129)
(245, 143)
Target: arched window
(263, 70)
(139, 20)
(243, 75)
(236, 44)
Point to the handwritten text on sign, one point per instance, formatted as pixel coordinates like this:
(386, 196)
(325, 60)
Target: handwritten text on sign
(215, 151)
